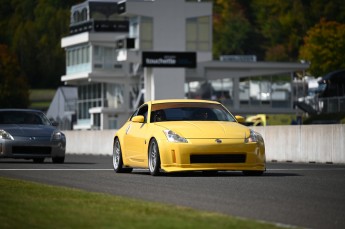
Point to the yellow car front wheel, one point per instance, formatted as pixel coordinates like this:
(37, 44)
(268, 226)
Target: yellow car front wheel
(154, 158)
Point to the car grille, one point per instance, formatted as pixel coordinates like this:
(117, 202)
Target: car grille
(218, 158)
(41, 150)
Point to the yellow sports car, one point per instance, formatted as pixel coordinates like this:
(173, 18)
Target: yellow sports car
(187, 135)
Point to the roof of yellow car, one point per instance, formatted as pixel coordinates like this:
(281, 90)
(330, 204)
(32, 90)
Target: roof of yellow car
(181, 101)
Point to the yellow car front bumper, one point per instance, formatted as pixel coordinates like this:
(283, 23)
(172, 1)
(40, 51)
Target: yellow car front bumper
(208, 154)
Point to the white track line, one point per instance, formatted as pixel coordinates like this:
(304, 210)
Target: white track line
(56, 169)
(307, 169)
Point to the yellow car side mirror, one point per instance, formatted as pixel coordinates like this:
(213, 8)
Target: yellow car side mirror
(240, 119)
(138, 118)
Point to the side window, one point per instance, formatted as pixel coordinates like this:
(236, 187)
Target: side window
(134, 114)
(141, 111)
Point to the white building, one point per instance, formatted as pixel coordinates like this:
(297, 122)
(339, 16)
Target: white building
(120, 53)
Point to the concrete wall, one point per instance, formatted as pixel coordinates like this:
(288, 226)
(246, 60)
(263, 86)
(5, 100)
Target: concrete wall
(306, 143)
(98, 142)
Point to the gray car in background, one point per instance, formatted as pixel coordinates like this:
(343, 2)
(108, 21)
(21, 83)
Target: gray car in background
(28, 134)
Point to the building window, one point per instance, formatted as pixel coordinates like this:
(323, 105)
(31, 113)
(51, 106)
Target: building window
(76, 17)
(114, 95)
(146, 33)
(89, 96)
(97, 121)
(78, 59)
(198, 34)
(133, 27)
(105, 58)
(271, 91)
(76, 56)
(83, 14)
(134, 30)
(98, 95)
(257, 91)
(112, 122)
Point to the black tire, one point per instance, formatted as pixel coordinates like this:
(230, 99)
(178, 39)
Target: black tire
(39, 160)
(58, 160)
(154, 158)
(210, 172)
(252, 173)
(117, 159)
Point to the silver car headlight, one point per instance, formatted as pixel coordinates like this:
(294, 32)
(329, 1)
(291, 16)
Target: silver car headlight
(57, 135)
(5, 135)
(173, 137)
(253, 137)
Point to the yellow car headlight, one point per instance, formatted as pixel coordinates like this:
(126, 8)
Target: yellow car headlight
(253, 137)
(173, 137)
(5, 135)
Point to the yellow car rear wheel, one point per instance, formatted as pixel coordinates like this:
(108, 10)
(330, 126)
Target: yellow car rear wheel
(117, 159)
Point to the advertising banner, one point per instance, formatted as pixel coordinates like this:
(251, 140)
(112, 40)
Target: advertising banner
(169, 59)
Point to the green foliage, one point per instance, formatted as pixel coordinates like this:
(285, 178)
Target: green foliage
(280, 23)
(33, 31)
(324, 47)
(14, 90)
(270, 29)
(231, 28)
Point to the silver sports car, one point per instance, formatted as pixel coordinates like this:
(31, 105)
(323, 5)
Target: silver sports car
(28, 134)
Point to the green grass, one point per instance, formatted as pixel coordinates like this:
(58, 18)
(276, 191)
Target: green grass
(280, 119)
(31, 205)
(42, 94)
(41, 98)
(334, 117)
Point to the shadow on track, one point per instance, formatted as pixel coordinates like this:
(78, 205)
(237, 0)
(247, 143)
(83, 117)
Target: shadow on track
(216, 174)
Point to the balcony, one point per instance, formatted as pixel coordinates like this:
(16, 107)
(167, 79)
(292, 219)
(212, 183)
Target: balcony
(100, 26)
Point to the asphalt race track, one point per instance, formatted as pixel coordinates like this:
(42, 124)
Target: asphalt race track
(304, 195)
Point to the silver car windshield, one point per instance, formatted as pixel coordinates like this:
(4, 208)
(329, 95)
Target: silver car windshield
(23, 117)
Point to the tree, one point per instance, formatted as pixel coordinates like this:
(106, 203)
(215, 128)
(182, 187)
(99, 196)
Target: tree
(51, 24)
(14, 90)
(324, 47)
(282, 24)
(331, 10)
(231, 28)
(33, 30)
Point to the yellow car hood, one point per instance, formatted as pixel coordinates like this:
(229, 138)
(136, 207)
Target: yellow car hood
(207, 129)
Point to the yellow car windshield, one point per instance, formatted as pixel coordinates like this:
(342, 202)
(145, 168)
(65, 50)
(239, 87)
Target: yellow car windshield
(189, 112)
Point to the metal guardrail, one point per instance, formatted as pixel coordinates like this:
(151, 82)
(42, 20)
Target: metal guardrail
(332, 104)
(326, 105)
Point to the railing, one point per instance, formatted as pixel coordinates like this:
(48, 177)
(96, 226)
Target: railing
(332, 104)
(100, 26)
(327, 105)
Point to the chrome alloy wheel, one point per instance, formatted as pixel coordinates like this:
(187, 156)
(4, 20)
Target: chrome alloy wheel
(116, 155)
(118, 165)
(154, 159)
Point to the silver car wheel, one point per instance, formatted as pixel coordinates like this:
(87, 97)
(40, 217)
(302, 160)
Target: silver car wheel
(116, 155)
(154, 158)
(118, 165)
